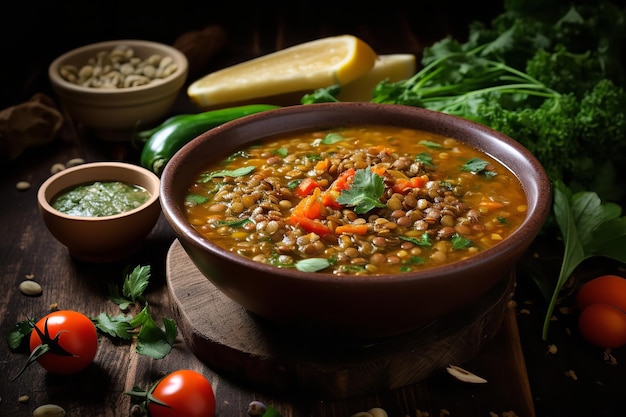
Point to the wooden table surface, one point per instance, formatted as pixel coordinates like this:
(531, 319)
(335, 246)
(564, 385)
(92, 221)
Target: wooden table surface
(576, 380)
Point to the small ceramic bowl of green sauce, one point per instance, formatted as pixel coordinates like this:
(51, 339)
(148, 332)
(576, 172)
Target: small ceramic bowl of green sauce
(101, 211)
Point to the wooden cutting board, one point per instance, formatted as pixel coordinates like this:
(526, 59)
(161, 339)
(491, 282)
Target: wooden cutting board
(245, 348)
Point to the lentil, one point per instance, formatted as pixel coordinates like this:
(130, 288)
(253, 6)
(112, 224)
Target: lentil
(425, 214)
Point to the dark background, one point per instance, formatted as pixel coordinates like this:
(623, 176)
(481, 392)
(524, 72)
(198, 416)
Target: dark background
(34, 33)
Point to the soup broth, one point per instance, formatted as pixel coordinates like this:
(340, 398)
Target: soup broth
(364, 200)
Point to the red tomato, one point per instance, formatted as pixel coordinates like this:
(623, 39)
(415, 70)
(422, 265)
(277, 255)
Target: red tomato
(603, 325)
(186, 393)
(606, 289)
(75, 347)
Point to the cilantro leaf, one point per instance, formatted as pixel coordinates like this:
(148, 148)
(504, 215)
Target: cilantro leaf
(118, 326)
(239, 172)
(312, 264)
(196, 199)
(136, 283)
(152, 340)
(364, 192)
(424, 240)
(332, 138)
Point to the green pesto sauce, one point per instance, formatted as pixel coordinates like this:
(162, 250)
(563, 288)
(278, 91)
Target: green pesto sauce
(100, 199)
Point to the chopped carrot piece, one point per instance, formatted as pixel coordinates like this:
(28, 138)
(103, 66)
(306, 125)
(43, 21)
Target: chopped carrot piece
(355, 229)
(310, 206)
(402, 185)
(490, 204)
(322, 165)
(310, 225)
(306, 187)
(343, 181)
(379, 169)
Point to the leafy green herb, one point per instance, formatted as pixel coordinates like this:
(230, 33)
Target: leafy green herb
(234, 223)
(414, 260)
(312, 264)
(18, 333)
(589, 228)
(314, 157)
(196, 199)
(239, 172)
(332, 138)
(238, 154)
(460, 242)
(424, 240)
(364, 192)
(293, 184)
(478, 166)
(425, 158)
(431, 144)
(151, 339)
(551, 77)
(322, 95)
(281, 152)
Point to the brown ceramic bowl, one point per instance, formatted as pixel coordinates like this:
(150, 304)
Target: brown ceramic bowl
(371, 306)
(107, 238)
(114, 113)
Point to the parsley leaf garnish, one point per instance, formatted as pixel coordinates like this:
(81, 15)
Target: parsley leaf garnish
(478, 166)
(364, 192)
(152, 340)
(239, 172)
(332, 138)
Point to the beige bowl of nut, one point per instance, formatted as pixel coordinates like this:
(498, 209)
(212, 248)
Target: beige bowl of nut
(116, 86)
(106, 238)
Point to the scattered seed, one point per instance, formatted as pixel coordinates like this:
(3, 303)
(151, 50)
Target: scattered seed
(256, 408)
(552, 349)
(30, 287)
(75, 161)
(23, 399)
(572, 374)
(22, 185)
(378, 412)
(465, 376)
(29, 276)
(53, 307)
(49, 410)
(58, 167)
(524, 311)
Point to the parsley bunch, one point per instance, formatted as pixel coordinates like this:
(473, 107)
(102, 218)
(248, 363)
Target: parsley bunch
(151, 339)
(549, 74)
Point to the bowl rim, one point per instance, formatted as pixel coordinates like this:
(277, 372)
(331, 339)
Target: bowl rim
(537, 212)
(179, 56)
(45, 205)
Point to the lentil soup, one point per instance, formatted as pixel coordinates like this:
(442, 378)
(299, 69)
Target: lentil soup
(363, 200)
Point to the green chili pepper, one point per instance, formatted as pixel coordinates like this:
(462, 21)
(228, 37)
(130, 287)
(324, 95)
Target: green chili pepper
(163, 141)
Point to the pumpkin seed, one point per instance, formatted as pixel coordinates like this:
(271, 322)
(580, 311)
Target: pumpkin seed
(30, 287)
(49, 410)
(22, 185)
(465, 376)
(58, 167)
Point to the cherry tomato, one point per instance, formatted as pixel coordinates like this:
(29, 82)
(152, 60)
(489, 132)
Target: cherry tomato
(606, 289)
(603, 325)
(72, 340)
(186, 393)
